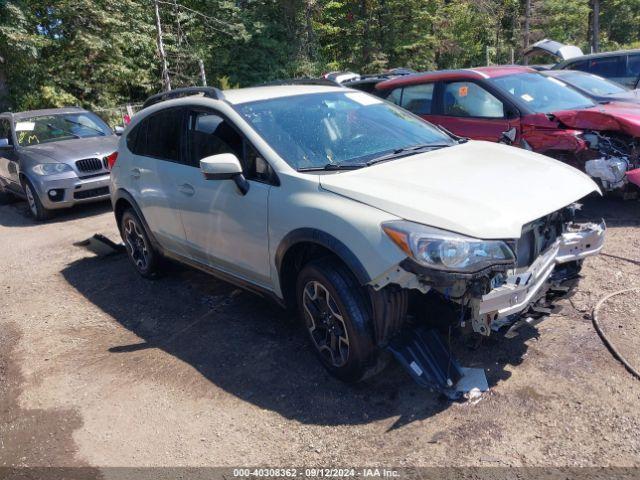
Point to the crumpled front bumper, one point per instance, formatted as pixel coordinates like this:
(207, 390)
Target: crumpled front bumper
(522, 289)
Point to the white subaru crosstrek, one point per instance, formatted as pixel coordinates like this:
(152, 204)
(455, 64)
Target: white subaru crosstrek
(362, 216)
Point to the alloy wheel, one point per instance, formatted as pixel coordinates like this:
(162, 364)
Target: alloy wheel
(325, 323)
(31, 200)
(136, 244)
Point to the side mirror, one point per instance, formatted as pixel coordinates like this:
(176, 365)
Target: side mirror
(224, 166)
(118, 129)
(4, 143)
(510, 135)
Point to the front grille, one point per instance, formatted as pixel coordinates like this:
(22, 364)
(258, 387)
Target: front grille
(89, 164)
(94, 192)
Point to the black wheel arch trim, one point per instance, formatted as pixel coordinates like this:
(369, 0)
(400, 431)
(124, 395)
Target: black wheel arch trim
(327, 241)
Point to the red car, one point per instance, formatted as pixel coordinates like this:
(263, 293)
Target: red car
(520, 106)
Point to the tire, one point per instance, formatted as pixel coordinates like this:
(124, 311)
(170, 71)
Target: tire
(145, 259)
(36, 209)
(335, 313)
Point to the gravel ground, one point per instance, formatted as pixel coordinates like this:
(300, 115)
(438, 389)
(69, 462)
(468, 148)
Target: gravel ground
(99, 367)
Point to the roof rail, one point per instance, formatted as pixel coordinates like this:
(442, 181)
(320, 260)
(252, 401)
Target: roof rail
(209, 92)
(301, 81)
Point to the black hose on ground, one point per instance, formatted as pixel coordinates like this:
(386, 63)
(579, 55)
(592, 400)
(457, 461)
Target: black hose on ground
(607, 342)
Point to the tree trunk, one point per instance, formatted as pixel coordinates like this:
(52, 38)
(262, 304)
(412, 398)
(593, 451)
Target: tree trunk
(527, 28)
(595, 26)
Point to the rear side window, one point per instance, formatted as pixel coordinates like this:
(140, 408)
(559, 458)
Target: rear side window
(608, 67)
(633, 70)
(158, 135)
(163, 134)
(418, 98)
(395, 96)
(467, 99)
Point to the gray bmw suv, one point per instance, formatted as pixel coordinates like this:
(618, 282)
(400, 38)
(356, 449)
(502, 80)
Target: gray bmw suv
(55, 158)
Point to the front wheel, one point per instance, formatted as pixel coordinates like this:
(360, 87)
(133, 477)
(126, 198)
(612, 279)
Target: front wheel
(37, 210)
(335, 313)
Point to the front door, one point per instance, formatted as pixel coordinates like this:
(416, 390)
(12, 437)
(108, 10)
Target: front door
(224, 228)
(469, 110)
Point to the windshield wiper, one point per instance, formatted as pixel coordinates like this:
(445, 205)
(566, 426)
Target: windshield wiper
(333, 166)
(84, 125)
(405, 152)
(52, 127)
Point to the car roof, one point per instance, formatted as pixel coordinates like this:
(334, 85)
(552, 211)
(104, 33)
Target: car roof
(45, 111)
(592, 56)
(465, 73)
(253, 94)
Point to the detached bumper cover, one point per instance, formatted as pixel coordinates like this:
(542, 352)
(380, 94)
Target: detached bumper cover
(521, 289)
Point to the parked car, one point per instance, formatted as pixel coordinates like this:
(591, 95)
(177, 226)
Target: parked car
(622, 66)
(597, 88)
(351, 210)
(341, 77)
(531, 110)
(367, 83)
(55, 158)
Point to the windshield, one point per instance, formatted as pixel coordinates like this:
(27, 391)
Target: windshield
(56, 127)
(592, 83)
(338, 128)
(542, 94)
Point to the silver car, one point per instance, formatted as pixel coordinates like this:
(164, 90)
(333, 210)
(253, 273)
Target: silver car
(55, 158)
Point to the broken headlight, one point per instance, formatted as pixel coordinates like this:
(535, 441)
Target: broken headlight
(444, 250)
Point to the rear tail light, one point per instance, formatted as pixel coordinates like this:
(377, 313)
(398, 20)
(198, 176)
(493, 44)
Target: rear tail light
(111, 160)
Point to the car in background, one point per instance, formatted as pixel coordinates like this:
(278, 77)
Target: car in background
(622, 66)
(597, 88)
(523, 107)
(367, 83)
(341, 77)
(352, 211)
(55, 158)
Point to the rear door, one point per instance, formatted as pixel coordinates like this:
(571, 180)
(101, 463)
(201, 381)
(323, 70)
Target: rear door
(468, 109)
(155, 173)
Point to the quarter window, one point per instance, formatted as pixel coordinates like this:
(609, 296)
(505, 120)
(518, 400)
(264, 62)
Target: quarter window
(418, 98)
(467, 99)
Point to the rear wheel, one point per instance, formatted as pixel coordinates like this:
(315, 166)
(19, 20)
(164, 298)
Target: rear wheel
(336, 315)
(36, 209)
(139, 249)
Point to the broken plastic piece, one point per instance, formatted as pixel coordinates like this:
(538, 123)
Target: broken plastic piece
(101, 245)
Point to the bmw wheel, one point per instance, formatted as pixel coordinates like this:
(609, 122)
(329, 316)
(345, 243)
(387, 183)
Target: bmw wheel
(36, 209)
(335, 313)
(139, 249)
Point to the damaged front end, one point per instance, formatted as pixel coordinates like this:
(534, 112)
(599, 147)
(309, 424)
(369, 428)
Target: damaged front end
(506, 290)
(615, 163)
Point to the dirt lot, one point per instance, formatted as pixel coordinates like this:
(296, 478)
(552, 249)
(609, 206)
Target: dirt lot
(99, 367)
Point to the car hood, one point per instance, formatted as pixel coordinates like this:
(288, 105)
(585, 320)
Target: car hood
(481, 189)
(76, 149)
(614, 116)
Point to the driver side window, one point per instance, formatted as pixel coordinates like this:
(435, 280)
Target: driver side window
(5, 131)
(468, 99)
(210, 134)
